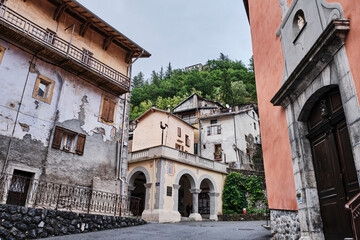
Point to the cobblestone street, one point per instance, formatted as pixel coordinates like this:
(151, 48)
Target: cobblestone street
(183, 230)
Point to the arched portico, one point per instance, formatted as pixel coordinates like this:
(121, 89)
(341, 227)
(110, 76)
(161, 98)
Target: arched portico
(186, 192)
(208, 196)
(139, 186)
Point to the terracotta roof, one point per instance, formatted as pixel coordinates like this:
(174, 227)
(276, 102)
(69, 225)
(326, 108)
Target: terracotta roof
(153, 109)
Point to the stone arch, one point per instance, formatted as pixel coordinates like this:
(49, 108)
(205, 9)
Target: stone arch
(134, 172)
(193, 182)
(207, 177)
(213, 194)
(192, 179)
(131, 186)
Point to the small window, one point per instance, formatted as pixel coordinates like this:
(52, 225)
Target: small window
(218, 152)
(187, 141)
(68, 141)
(195, 148)
(253, 115)
(179, 147)
(2, 51)
(108, 111)
(179, 132)
(255, 126)
(43, 89)
(214, 121)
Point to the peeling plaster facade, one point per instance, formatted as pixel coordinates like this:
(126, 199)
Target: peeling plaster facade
(27, 124)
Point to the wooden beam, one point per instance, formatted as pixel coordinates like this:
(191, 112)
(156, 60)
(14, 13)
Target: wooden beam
(63, 62)
(107, 42)
(84, 27)
(58, 11)
(129, 57)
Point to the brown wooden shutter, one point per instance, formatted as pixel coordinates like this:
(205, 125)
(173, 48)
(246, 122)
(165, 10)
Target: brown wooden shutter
(111, 111)
(219, 129)
(105, 110)
(80, 144)
(57, 138)
(179, 132)
(208, 131)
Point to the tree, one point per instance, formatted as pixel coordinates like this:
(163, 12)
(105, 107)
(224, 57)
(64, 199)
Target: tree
(137, 81)
(226, 88)
(239, 93)
(168, 72)
(155, 79)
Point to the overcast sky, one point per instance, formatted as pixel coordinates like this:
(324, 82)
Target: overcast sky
(183, 32)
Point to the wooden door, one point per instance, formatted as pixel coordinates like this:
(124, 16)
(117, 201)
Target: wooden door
(19, 187)
(333, 163)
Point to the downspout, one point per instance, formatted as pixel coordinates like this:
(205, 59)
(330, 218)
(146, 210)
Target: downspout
(16, 118)
(43, 173)
(199, 146)
(120, 158)
(236, 149)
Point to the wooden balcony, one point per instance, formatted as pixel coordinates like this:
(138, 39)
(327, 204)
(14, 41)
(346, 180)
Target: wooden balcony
(46, 45)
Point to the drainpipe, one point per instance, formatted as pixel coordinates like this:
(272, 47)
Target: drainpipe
(120, 158)
(16, 118)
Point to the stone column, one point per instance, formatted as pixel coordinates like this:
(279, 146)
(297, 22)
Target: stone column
(195, 196)
(176, 197)
(147, 195)
(213, 205)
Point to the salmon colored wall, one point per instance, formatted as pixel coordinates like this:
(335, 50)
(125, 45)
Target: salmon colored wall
(148, 133)
(265, 18)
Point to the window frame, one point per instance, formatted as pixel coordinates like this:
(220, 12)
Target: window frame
(61, 136)
(49, 93)
(187, 140)
(115, 104)
(2, 53)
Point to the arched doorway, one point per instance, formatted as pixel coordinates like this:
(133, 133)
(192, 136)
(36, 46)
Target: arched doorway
(334, 166)
(185, 201)
(139, 190)
(208, 198)
(138, 187)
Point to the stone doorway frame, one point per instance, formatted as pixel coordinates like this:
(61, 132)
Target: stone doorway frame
(132, 177)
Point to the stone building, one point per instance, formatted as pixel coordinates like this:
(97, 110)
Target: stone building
(231, 136)
(191, 109)
(64, 105)
(306, 56)
(171, 181)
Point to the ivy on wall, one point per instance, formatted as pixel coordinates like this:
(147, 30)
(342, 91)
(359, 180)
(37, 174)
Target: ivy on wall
(235, 189)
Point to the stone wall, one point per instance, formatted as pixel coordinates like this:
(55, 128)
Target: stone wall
(285, 224)
(17, 222)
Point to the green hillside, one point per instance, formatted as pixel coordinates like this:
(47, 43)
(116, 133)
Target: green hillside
(227, 81)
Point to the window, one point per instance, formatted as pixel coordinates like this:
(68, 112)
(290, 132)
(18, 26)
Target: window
(253, 115)
(187, 141)
(195, 148)
(179, 132)
(43, 89)
(107, 111)
(254, 125)
(214, 121)
(2, 51)
(218, 152)
(87, 56)
(68, 141)
(179, 147)
(213, 130)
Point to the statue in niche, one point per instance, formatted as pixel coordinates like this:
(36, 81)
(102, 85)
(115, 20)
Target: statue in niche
(300, 21)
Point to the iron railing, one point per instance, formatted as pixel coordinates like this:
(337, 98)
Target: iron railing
(354, 207)
(19, 190)
(61, 46)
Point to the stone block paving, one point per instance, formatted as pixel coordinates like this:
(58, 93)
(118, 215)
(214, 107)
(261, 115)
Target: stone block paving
(208, 230)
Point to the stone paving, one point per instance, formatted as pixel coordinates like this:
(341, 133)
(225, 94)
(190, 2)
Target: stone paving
(183, 230)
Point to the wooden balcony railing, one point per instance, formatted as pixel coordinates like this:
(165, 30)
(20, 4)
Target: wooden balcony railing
(14, 20)
(354, 207)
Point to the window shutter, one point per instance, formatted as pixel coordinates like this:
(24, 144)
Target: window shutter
(111, 112)
(105, 110)
(80, 144)
(57, 138)
(219, 129)
(179, 132)
(208, 131)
